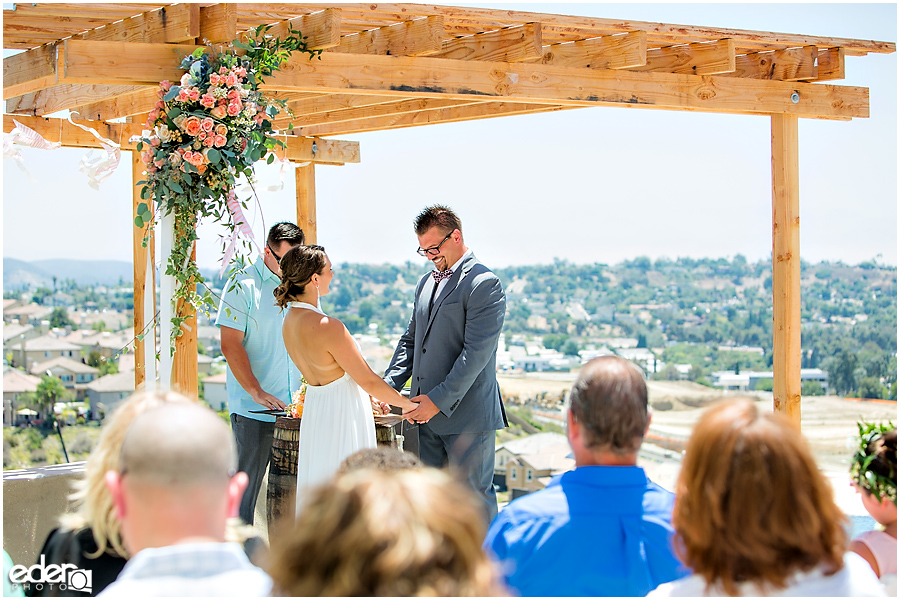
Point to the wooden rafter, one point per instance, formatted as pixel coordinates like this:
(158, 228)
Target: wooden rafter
(417, 37)
(620, 51)
(512, 44)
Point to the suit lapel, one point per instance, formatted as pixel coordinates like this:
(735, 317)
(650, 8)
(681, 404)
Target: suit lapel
(451, 285)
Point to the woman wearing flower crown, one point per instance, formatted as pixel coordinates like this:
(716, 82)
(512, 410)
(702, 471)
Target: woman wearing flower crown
(874, 472)
(337, 411)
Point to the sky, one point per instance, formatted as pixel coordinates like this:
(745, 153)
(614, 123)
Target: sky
(587, 185)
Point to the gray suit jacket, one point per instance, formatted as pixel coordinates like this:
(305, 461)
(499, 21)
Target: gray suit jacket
(452, 356)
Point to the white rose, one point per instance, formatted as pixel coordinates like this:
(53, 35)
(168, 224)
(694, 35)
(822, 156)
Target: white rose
(186, 80)
(163, 133)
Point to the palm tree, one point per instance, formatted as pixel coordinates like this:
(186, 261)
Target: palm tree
(49, 391)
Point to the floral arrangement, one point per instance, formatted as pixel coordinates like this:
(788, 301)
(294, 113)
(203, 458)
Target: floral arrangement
(295, 409)
(206, 131)
(878, 484)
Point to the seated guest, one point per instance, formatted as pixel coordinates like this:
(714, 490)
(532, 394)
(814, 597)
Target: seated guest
(174, 491)
(90, 538)
(602, 529)
(370, 532)
(755, 517)
(383, 458)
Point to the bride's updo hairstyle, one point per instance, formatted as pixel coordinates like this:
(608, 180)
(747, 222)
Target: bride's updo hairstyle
(298, 265)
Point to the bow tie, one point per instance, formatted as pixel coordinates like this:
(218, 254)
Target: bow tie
(439, 276)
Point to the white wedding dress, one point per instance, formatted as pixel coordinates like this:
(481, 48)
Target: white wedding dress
(337, 421)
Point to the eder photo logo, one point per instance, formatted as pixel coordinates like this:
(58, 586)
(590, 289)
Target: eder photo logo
(65, 577)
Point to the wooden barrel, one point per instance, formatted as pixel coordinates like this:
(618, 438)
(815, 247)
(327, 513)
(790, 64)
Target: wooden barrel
(385, 436)
(282, 492)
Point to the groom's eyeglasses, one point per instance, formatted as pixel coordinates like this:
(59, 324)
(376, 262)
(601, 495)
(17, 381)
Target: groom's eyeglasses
(277, 258)
(433, 251)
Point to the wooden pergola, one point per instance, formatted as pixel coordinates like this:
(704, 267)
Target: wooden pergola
(389, 66)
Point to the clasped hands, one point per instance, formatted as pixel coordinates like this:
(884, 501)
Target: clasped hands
(424, 410)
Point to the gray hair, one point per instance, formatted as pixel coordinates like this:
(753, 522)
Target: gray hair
(609, 400)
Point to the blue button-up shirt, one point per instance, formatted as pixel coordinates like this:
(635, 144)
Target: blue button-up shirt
(594, 531)
(248, 305)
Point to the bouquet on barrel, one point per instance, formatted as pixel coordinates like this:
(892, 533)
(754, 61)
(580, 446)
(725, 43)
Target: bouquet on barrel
(295, 409)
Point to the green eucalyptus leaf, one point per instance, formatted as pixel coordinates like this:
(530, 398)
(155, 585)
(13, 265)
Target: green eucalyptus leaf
(213, 156)
(271, 159)
(139, 222)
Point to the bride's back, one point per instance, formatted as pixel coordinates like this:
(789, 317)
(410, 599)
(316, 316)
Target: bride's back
(307, 335)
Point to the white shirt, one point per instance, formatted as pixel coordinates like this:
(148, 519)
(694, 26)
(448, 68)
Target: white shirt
(200, 569)
(856, 578)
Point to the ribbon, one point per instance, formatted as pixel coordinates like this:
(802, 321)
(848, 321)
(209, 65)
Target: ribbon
(24, 136)
(241, 228)
(99, 168)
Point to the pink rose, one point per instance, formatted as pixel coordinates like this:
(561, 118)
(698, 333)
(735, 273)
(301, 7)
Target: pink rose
(240, 72)
(166, 85)
(218, 112)
(220, 141)
(221, 129)
(230, 80)
(192, 125)
(233, 94)
(214, 79)
(154, 141)
(201, 135)
(207, 124)
(208, 142)
(153, 115)
(223, 71)
(201, 169)
(194, 94)
(147, 156)
(183, 96)
(234, 108)
(207, 101)
(152, 169)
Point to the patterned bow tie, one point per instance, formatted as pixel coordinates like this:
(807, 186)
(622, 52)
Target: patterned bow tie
(439, 276)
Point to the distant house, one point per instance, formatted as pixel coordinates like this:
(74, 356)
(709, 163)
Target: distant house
(14, 333)
(107, 392)
(214, 392)
(16, 383)
(541, 454)
(42, 349)
(204, 364)
(74, 375)
(31, 314)
(747, 380)
(642, 357)
(208, 336)
(106, 343)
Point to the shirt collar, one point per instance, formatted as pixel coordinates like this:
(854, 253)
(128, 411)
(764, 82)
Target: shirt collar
(263, 270)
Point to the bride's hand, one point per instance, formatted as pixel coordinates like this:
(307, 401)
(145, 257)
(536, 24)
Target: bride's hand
(414, 406)
(379, 408)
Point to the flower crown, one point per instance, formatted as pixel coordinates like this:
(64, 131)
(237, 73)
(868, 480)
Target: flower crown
(877, 484)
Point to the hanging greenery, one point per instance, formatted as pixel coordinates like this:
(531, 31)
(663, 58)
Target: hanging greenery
(207, 130)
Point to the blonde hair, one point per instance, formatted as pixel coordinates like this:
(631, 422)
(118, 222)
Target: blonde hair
(93, 502)
(751, 504)
(408, 532)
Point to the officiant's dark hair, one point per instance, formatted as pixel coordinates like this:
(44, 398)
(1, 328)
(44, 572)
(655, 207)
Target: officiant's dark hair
(437, 216)
(285, 232)
(298, 265)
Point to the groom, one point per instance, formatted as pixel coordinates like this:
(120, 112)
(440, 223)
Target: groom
(450, 352)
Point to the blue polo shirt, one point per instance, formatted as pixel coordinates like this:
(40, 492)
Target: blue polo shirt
(594, 531)
(248, 305)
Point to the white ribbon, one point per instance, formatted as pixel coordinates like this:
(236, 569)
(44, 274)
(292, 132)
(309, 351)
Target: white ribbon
(24, 136)
(241, 227)
(99, 168)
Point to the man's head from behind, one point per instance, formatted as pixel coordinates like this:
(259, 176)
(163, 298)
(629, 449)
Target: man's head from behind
(176, 480)
(608, 412)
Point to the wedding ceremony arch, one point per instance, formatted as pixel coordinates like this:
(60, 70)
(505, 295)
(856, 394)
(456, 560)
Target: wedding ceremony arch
(391, 66)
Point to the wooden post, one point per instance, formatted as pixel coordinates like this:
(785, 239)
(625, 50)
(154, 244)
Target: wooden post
(144, 281)
(305, 177)
(184, 365)
(786, 266)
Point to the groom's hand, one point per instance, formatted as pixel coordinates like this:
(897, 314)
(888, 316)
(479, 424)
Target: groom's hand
(424, 412)
(268, 400)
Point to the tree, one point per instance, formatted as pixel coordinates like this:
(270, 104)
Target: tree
(842, 371)
(811, 388)
(570, 348)
(366, 310)
(49, 391)
(60, 318)
(870, 387)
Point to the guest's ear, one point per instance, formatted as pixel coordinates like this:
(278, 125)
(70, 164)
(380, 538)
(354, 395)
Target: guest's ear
(114, 485)
(236, 488)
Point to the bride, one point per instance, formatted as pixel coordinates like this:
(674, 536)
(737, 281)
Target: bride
(338, 410)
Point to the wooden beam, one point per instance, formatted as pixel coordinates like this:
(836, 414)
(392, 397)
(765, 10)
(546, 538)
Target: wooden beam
(136, 102)
(86, 10)
(483, 110)
(321, 29)
(173, 24)
(792, 64)
(141, 274)
(830, 63)
(512, 44)
(328, 103)
(378, 110)
(184, 363)
(404, 76)
(29, 71)
(218, 23)
(621, 51)
(300, 149)
(317, 150)
(305, 178)
(786, 353)
(417, 37)
(68, 97)
(702, 58)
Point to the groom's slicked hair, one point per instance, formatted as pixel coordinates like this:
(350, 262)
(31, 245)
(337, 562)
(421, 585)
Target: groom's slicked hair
(437, 216)
(285, 232)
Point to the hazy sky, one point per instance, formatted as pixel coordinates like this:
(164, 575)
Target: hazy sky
(588, 185)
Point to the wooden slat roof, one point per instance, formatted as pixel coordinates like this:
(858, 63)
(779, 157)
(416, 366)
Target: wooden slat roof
(400, 65)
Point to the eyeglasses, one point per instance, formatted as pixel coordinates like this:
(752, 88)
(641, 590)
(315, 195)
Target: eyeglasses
(433, 251)
(277, 258)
